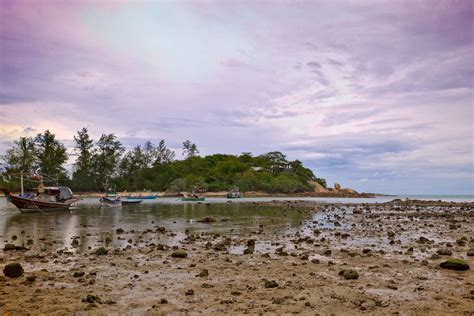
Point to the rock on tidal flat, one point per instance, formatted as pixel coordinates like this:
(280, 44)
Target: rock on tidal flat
(454, 264)
(270, 284)
(444, 252)
(13, 270)
(349, 274)
(9, 247)
(179, 254)
(101, 251)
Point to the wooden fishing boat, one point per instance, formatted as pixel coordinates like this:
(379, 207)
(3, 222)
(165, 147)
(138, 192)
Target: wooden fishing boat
(133, 202)
(52, 199)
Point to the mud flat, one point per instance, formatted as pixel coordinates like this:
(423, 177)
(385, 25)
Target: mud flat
(294, 257)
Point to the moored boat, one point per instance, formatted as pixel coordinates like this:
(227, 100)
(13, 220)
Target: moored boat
(110, 201)
(234, 194)
(193, 199)
(50, 199)
(141, 197)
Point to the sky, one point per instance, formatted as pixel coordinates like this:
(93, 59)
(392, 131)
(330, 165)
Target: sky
(375, 95)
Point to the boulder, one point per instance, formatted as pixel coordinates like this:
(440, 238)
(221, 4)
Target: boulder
(349, 191)
(454, 264)
(13, 270)
(318, 188)
(337, 186)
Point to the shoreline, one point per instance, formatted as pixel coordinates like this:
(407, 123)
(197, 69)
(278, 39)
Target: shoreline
(245, 194)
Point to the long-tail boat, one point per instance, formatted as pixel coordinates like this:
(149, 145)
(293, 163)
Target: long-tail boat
(51, 199)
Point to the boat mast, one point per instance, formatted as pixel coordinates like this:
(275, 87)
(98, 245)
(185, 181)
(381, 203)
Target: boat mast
(21, 181)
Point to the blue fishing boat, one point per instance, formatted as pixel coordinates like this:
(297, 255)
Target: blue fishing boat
(142, 197)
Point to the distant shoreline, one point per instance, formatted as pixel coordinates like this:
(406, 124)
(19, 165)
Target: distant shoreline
(245, 194)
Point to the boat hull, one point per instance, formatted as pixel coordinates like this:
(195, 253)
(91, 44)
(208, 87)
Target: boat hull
(28, 205)
(193, 199)
(110, 202)
(145, 197)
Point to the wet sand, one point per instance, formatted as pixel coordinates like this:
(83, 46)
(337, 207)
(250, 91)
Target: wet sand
(301, 246)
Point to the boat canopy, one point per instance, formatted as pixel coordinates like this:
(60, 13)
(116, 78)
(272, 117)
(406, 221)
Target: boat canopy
(63, 192)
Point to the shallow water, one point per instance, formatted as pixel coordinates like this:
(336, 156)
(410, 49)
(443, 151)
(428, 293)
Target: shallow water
(96, 226)
(93, 225)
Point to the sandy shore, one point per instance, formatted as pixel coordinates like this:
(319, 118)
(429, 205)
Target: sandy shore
(395, 249)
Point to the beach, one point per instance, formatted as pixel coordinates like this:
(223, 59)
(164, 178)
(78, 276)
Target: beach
(280, 257)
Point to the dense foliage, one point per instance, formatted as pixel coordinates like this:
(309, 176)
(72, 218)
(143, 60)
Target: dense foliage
(105, 164)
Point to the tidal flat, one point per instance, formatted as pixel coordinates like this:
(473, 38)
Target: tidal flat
(281, 257)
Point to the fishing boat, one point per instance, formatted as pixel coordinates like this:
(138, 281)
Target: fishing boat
(111, 199)
(234, 194)
(193, 199)
(133, 202)
(45, 200)
(142, 197)
(107, 201)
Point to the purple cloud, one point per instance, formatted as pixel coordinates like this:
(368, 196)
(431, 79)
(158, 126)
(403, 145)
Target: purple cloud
(351, 88)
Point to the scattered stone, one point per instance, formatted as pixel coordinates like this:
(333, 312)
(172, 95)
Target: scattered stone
(13, 270)
(119, 231)
(454, 264)
(349, 274)
(78, 274)
(163, 301)
(270, 284)
(101, 251)
(31, 278)
(179, 254)
(91, 299)
(204, 273)
(9, 247)
(189, 292)
(470, 252)
(444, 252)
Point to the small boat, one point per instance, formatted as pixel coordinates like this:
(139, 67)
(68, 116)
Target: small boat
(193, 199)
(131, 202)
(142, 197)
(234, 194)
(47, 199)
(110, 201)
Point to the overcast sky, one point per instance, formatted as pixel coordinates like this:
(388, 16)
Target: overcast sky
(375, 95)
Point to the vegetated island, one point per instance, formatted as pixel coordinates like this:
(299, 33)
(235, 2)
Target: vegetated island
(106, 165)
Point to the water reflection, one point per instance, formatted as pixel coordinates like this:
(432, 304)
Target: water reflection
(95, 226)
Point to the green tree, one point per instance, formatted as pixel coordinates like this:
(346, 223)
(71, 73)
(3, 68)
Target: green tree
(51, 155)
(189, 149)
(105, 160)
(81, 177)
(164, 155)
(177, 186)
(21, 157)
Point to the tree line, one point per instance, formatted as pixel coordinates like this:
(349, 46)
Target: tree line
(106, 164)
